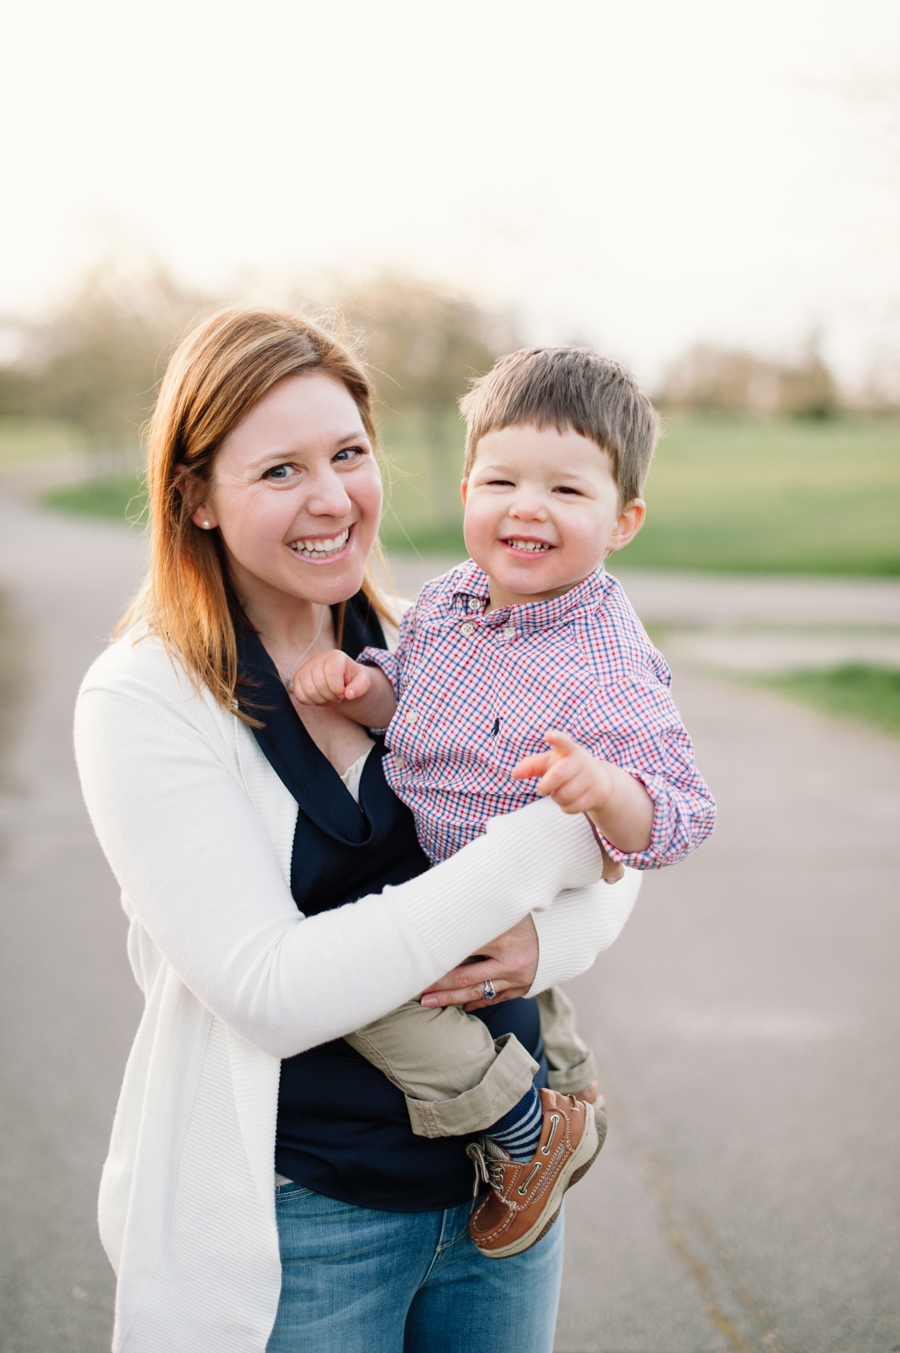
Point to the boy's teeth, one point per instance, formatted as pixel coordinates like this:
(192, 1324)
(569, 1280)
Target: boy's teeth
(313, 548)
(533, 546)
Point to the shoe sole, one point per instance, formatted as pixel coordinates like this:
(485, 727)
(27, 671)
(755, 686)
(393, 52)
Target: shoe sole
(562, 1185)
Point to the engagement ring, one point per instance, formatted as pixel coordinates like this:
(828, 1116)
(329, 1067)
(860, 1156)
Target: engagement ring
(489, 992)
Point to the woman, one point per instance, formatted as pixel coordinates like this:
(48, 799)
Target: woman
(261, 932)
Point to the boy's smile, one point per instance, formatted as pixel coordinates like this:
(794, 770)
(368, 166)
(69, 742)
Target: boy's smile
(542, 512)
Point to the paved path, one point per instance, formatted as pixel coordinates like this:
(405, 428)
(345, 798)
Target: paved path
(746, 1020)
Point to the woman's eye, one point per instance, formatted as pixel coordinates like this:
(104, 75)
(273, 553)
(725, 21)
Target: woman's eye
(278, 473)
(349, 453)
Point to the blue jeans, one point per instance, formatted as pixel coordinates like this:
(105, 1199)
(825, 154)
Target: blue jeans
(359, 1281)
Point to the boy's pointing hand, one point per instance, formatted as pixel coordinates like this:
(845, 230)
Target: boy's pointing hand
(576, 781)
(615, 801)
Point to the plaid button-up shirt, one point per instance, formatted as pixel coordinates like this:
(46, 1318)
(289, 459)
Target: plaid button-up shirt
(476, 692)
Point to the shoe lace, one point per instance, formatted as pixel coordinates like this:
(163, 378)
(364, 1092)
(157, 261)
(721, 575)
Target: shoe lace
(487, 1169)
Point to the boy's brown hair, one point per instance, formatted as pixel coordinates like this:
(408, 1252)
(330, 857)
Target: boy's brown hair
(567, 389)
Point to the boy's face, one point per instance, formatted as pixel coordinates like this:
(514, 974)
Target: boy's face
(542, 512)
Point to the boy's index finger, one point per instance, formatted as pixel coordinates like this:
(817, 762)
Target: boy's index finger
(561, 742)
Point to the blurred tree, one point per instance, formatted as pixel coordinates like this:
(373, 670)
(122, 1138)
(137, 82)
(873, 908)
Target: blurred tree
(808, 390)
(709, 379)
(423, 346)
(15, 391)
(97, 361)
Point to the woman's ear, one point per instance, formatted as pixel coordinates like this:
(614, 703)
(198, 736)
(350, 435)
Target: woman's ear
(190, 488)
(629, 522)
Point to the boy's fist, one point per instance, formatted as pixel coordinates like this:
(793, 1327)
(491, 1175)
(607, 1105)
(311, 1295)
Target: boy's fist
(574, 779)
(329, 679)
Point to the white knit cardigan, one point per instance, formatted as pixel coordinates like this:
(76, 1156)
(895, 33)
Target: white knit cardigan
(198, 830)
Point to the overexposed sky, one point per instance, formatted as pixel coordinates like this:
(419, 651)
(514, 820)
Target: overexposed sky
(640, 175)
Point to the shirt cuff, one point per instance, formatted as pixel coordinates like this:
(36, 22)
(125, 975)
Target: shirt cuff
(664, 848)
(380, 657)
(580, 923)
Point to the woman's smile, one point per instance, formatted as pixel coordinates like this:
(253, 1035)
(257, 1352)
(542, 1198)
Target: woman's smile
(322, 549)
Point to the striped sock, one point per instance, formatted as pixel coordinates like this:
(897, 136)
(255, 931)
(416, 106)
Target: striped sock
(519, 1131)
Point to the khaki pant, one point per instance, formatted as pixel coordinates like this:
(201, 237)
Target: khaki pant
(457, 1079)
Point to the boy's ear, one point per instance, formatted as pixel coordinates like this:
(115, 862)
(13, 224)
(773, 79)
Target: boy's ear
(464, 489)
(630, 521)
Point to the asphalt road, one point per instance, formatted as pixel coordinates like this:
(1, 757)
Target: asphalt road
(747, 1198)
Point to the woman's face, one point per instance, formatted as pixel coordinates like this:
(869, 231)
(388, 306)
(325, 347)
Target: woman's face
(296, 495)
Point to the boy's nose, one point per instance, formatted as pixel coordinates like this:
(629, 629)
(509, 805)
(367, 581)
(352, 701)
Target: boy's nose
(528, 507)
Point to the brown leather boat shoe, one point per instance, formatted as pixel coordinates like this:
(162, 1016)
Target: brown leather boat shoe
(524, 1199)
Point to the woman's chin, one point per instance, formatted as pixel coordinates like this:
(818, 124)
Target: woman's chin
(329, 581)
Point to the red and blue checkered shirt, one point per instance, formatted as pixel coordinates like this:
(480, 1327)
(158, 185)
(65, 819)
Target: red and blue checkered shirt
(476, 692)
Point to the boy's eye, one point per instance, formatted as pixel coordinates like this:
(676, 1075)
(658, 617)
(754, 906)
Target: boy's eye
(566, 488)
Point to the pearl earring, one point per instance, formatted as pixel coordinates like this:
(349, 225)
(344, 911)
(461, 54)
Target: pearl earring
(206, 526)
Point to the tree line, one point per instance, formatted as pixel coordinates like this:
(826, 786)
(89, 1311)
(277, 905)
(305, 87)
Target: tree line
(96, 364)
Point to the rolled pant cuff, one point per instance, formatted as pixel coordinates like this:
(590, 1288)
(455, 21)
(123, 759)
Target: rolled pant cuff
(574, 1078)
(506, 1080)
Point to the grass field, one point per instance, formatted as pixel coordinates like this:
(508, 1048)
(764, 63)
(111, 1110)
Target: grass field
(122, 497)
(855, 690)
(29, 438)
(724, 494)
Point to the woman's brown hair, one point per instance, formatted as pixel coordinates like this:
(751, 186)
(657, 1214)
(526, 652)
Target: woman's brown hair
(216, 375)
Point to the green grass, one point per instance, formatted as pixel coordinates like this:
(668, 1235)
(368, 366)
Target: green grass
(29, 438)
(422, 501)
(121, 498)
(855, 690)
(731, 495)
(785, 497)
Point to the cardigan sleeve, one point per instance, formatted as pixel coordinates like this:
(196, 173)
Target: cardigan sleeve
(199, 873)
(578, 926)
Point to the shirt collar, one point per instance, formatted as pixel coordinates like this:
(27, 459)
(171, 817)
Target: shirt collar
(471, 584)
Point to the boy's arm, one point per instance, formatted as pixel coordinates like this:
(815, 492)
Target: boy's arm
(638, 735)
(364, 693)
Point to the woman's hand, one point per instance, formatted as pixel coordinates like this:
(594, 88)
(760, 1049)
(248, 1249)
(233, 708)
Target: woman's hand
(509, 962)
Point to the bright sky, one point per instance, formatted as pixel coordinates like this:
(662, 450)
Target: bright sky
(640, 175)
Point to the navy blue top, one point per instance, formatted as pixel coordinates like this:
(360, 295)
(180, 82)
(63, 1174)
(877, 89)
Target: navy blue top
(343, 1129)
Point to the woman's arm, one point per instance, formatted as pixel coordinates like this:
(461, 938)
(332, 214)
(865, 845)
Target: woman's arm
(200, 873)
(553, 945)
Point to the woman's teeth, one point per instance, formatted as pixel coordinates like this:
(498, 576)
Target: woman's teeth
(315, 549)
(532, 546)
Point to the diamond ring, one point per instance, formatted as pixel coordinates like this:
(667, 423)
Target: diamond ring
(489, 992)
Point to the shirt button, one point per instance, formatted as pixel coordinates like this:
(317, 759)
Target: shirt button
(411, 716)
(509, 632)
(400, 762)
(468, 628)
(474, 604)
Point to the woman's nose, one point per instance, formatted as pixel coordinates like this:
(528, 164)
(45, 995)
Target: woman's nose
(328, 497)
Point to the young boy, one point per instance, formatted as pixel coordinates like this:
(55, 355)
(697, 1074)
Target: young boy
(528, 644)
